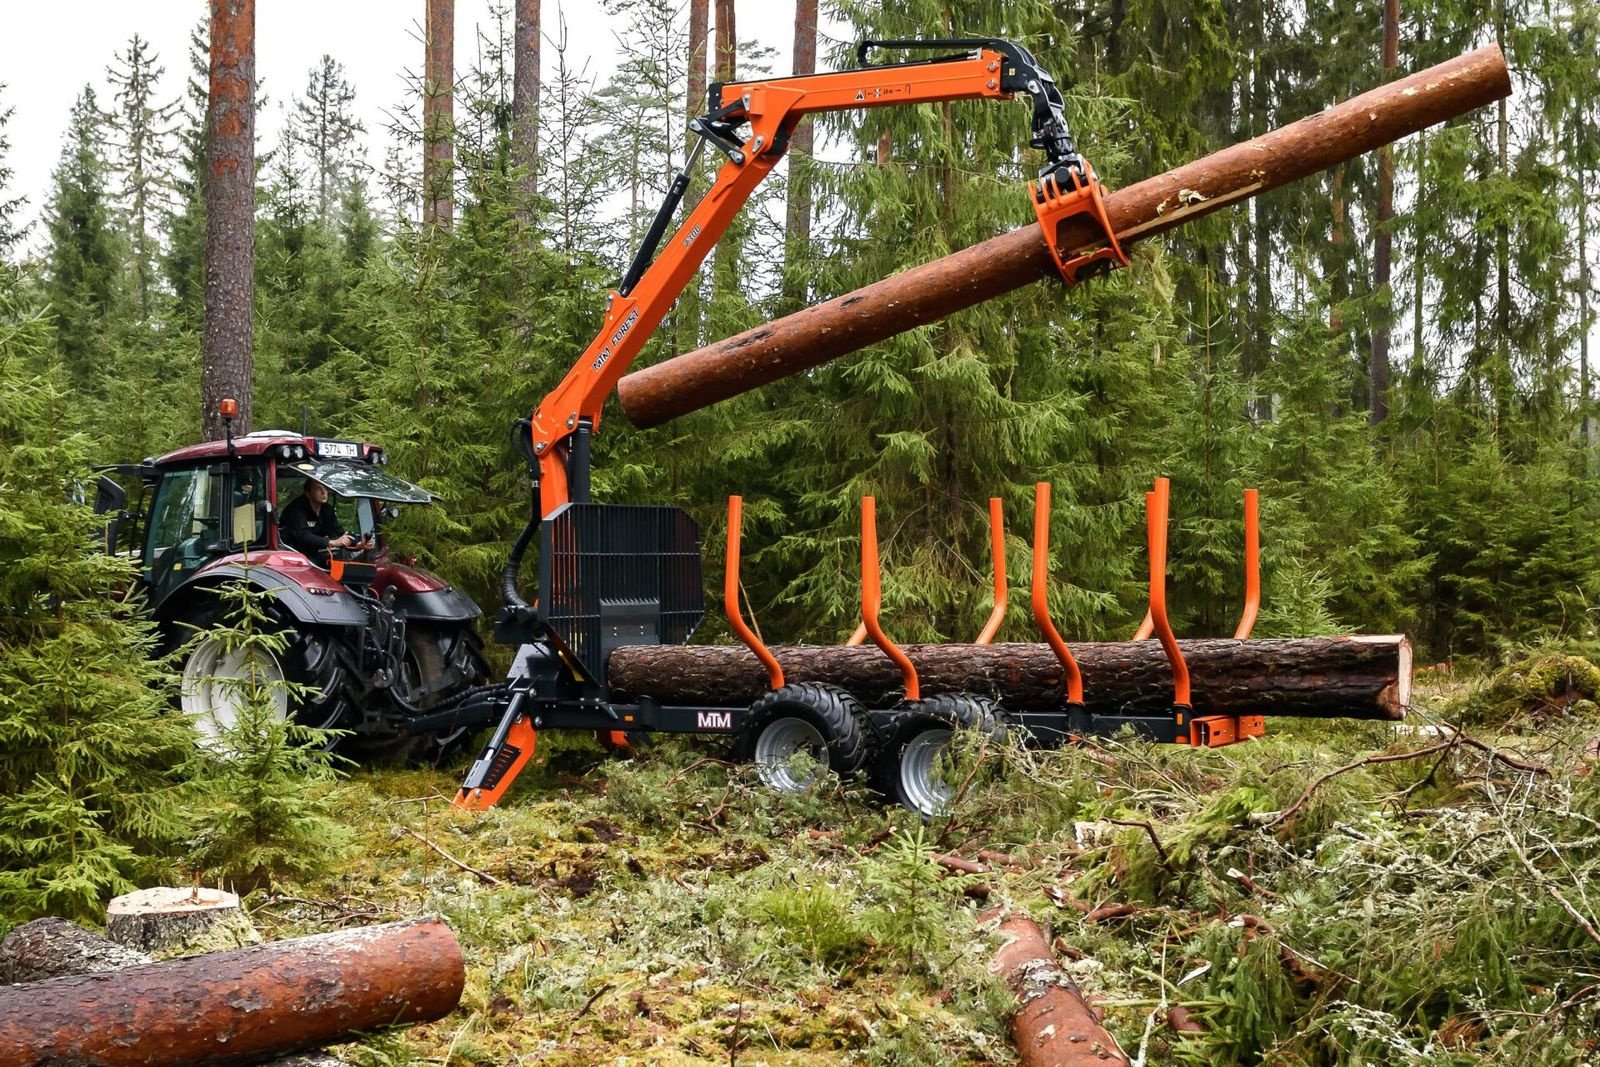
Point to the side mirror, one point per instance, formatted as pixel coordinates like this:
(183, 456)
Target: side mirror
(265, 508)
(109, 495)
(390, 513)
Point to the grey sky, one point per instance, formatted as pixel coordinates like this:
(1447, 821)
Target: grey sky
(48, 51)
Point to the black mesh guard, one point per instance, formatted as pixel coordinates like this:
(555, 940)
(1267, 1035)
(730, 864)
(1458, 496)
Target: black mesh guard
(618, 574)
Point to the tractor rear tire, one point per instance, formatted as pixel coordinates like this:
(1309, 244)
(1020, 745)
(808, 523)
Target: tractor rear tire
(820, 720)
(906, 770)
(429, 652)
(309, 659)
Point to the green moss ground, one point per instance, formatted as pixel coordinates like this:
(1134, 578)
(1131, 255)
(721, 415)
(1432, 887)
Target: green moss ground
(669, 910)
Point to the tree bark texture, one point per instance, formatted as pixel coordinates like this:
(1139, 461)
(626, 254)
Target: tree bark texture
(525, 103)
(1053, 1026)
(52, 948)
(1383, 239)
(1303, 677)
(236, 1007)
(167, 921)
(934, 290)
(230, 194)
(805, 62)
(438, 111)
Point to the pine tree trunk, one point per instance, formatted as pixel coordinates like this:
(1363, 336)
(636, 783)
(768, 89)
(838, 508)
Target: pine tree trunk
(226, 351)
(725, 265)
(686, 317)
(1001, 264)
(1308, 677)
(525, 104)
(1585, 321)
(1501, 372)
(798, 245)
(438, 109)
(1378, 371)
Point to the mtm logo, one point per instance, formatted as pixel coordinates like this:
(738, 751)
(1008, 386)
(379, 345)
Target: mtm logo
(713, 720)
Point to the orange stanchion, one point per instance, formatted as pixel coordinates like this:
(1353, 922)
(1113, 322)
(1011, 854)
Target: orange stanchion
(1252, 565)
(1041, 599)
(872, 597)
(997, 552)
(858, 636)
(1156, 504)
(730, 596)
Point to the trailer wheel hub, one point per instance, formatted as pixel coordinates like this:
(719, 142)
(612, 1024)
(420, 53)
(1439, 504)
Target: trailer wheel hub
(920, 784)
(777, 745)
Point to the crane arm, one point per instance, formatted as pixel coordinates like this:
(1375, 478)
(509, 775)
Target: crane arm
(557, 434)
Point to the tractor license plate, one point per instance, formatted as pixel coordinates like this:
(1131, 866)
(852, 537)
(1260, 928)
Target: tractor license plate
(339, 449)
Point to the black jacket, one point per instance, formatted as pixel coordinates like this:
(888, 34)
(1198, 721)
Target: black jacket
(309, 532)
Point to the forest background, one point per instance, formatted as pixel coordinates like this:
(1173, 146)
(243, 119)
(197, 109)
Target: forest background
(1422, 432)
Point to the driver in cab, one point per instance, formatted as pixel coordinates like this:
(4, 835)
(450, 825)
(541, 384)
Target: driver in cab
(309, 526)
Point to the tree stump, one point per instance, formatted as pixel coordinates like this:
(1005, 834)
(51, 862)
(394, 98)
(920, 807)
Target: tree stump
(166, 921)
(53, 948)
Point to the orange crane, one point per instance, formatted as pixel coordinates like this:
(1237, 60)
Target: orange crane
(614, 575)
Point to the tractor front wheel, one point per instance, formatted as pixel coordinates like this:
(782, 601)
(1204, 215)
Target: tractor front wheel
(805, 719)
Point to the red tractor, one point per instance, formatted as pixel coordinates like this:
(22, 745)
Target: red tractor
(374, 642)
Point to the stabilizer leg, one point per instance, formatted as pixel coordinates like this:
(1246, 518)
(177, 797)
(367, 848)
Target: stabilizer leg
(503, 758)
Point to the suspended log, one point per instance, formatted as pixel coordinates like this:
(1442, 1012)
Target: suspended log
(236, 1007)
(934, 290)
(1053, 1026)
(1367, 677)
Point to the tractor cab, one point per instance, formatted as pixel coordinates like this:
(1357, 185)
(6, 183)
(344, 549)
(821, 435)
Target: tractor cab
(372, 641)
(206, 505)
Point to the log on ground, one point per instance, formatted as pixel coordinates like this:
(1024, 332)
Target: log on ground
(1053, 1026)
(934, 290)
(1363, 677)
(237, 1007)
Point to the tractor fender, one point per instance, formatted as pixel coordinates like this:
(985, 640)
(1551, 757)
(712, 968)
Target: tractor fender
(329, 605)
(438, 605)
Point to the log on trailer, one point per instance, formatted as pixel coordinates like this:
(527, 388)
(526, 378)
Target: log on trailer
(237, 1007)
(934, 290)
(1364, 677)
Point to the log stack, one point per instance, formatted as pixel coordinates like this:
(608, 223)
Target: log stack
(1362, 677)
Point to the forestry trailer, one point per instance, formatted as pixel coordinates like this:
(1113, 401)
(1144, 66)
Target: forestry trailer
(372, 642)
(618, 584)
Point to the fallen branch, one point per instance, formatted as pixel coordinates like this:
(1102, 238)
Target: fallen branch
(1161, 853)
(1365, 761)
(484, 875)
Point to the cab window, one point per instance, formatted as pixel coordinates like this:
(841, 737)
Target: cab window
(183, 521)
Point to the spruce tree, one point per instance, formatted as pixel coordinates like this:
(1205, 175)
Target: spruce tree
(83, 264)
(92, 789)
(142, 135)
(266, 812)
(11, 229)
(325, 126)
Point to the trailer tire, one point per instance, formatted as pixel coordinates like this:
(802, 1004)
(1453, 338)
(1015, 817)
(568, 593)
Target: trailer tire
(906, 769)
(823, 720)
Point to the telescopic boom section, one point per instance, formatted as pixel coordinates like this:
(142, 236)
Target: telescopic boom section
(981, 68)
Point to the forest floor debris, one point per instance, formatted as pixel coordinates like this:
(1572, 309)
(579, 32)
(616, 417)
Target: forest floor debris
(1333, 893)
